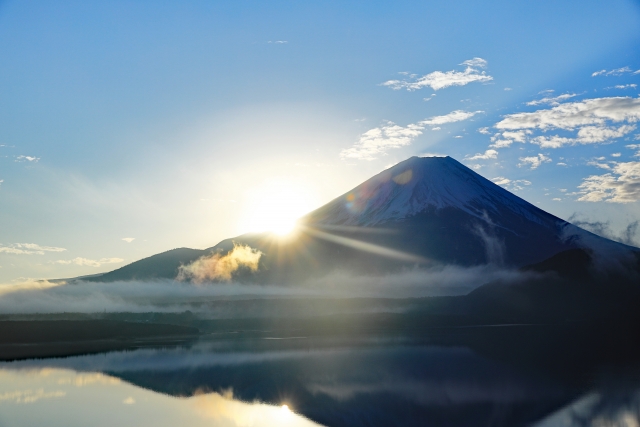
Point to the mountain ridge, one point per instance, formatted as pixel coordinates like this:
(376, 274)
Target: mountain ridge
(423, 210)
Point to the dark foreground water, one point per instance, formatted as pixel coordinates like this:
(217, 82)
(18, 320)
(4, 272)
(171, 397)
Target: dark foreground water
(501, 376)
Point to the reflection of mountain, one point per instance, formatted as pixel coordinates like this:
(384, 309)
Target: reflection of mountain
(508, 376)
(338, 384)
(422, 211)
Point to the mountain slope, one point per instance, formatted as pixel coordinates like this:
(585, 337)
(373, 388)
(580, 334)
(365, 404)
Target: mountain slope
(419, 212)
(439, 209)
(163, 265)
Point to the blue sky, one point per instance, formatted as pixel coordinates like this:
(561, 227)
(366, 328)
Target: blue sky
(168, 122)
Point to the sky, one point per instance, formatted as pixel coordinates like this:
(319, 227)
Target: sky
(128, 128)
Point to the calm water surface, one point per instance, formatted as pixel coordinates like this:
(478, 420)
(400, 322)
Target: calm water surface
(307, 382)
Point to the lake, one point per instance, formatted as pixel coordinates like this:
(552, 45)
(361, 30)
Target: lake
(485, 376)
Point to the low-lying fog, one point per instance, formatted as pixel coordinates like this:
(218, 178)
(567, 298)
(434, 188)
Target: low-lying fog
(40, 296)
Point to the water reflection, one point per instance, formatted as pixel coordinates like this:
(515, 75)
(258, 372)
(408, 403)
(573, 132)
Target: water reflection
(60, 397)
(331, 382)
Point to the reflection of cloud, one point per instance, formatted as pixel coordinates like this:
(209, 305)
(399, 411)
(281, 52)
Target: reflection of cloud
(439, 80)
(82, 380)
(378, 141)
(30, 396)
(221, 267)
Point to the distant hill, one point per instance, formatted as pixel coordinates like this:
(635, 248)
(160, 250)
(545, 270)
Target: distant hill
(163, 265)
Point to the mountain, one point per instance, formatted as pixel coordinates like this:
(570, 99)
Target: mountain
(422, 211)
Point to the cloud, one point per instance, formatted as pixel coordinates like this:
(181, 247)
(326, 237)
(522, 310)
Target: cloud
(439, 80)
(506, 138)
(489, 154)
(592, 121)
(568, 116)
(615, 72)
(454, 116)
(629, 86)
(221, 267)
(533, 162)
(27, 159)
(378, 141)
(628, 236)
(128, 239)
(500, 180)
(621, 185)
(475, 63)
(89, 262)
(28, 249)
(510, 185)
(30, 396)
(556, 100)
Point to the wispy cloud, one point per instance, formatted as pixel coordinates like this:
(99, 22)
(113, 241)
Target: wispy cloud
(378, 141)
(489, 154)
(128, 239)
(615, 72)
(552, 100)
(22, 158)
(511, 185)
(28, 249)
(442, 79)
(591, 121)
(620, 185)
(533, 162)
(629, 86)
(628, 235)
(89, 262)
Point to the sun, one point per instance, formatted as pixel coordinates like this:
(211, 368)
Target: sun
(275, 206)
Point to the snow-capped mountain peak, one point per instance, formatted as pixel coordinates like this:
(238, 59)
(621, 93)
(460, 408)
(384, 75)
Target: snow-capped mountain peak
(415, 185)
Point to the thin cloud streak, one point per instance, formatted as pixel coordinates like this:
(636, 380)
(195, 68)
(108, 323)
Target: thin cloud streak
(442, 79)
(377, 141)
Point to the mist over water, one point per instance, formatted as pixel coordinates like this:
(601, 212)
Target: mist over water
(174, 295)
